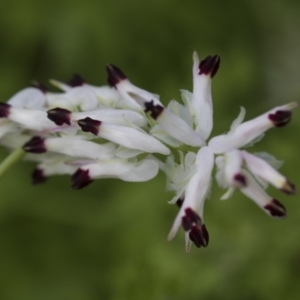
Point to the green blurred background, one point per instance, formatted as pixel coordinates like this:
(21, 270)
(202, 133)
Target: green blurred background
(108, 241)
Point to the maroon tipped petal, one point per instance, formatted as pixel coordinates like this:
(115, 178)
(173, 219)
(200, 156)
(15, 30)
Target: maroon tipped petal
(289, 188)
(40, 86)
(35, 145)
(89, 125)
(154, 110)
(190, 218)
(4, 110)
(240, 179)
(76, 80)
(80, 179)
(199, 235)
(59, 116)
(115, 75)
(210, 65)
(276, 209)
(38, 176)
(280, 118)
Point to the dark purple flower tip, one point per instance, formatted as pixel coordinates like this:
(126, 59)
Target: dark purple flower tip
(115, 75)
(280, 118)
(80, 179)
(154, 110)
(179, 202)
(76, 80)
(4, 110)
(40, 86)
(190, 218)
(210, 65)
(289, 188)
(199, 235)
(276, 209)
(240, 179)
(89, 125)
(38, 176)
(59, 116)
(35, 145)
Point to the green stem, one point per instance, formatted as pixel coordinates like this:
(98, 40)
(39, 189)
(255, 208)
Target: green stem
(11, 159)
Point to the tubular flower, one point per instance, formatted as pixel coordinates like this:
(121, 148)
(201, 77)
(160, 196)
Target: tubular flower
(116, 131)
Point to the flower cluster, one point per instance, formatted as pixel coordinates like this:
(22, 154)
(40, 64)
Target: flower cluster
(117, 131)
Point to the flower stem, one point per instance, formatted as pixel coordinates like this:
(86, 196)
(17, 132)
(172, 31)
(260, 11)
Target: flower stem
(11, 159)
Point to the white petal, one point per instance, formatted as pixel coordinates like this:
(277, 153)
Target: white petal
(255, 192)
(123, 152)
(132, 138)
(30, 119)
(247, 131)
(197, 188)
(233, 168)
(83, 97)
(120, 168)
(179, 129)
(106, 95)
(56, 168)
(144, 170)
(160, 134)
(180, 111)
(202, 100)
(262, 169)
(28, 98)
(113, 116)
(76, 147)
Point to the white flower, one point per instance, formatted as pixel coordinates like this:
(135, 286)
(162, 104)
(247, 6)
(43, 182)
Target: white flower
(191, 125)
(91, 132)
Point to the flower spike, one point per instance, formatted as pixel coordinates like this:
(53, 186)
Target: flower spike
(125, 132)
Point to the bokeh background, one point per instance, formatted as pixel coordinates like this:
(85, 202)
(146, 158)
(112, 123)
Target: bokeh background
(108, 241)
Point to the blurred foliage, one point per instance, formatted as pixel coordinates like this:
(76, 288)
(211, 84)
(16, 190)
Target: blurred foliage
(108, 241)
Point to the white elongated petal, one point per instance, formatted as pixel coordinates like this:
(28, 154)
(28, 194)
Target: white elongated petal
(106, 95)
(132, 138)
(160, 134)
(28, 98)
(256, 193)
(262, 169)
(56, 168)
(122, 169)
(180, 111)
(233, 168)
(123, 152)
(197, 188)
(139, 95)
(76, 147)
(248, 131)
(83, 97)
(30, 119)
(202, 100)
(113, 116)
(187, 98)
(144, 170)
(179, 129)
